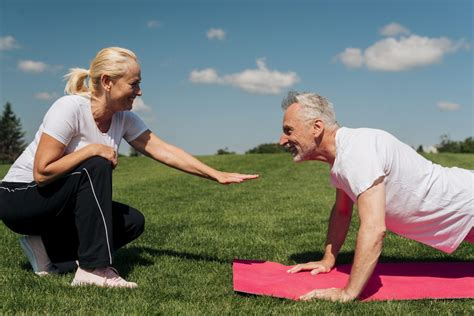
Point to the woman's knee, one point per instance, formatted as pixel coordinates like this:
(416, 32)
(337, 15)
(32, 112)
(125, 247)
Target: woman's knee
(96, 166)
(98, 162)
(129, 224)
(138, 220)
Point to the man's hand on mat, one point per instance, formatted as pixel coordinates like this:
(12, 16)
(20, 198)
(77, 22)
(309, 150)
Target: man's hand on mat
(228, 177)
(332, 294)
(315, 267)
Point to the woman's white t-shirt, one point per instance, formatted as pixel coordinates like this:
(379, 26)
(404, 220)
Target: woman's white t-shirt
(70, 121)
(424, 201)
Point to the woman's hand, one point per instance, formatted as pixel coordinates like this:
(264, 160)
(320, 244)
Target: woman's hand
(228, 178)
(150, 145)
(104, 151)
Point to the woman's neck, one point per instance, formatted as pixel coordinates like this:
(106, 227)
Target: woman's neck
(101, 114)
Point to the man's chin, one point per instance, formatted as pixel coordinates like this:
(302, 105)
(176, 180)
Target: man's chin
(297, 158)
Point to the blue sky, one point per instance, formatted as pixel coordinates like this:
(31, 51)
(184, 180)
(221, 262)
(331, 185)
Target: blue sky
(214, 72)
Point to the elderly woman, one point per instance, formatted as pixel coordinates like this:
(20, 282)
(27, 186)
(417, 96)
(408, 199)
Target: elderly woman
(59, 191)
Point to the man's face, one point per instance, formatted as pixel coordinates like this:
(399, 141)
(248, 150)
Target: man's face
(298, 135)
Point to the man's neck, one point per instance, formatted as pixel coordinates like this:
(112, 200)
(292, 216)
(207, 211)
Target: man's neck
(327, 146)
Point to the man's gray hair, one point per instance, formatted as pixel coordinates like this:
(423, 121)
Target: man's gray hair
(313, 106)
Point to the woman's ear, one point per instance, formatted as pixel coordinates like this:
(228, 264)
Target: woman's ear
(105, 82)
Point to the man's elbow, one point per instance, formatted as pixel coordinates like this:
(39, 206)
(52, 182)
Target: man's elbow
(376, 233)
(380, 233)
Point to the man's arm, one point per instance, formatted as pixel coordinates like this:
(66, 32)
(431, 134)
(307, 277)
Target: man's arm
(371, 206)
(339, 223)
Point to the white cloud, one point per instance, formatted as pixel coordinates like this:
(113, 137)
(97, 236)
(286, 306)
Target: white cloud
(262, 80)
(257, 81)
(217, 34)
(205, 76)
(399, 54)
(393, 29)
(36, 67)
(448, 106)
(46, 96)
(153, 24)
(391, 54)
(140, 106)
(351, 57)
(31, 66)
(8, 43)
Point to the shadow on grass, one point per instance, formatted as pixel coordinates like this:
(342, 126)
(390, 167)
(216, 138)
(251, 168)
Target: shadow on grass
(131, 257)
(127, 259)
(303, 257)
(347, 257)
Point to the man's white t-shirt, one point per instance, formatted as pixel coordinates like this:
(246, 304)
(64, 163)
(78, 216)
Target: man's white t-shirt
(424, 201)
(70, 121)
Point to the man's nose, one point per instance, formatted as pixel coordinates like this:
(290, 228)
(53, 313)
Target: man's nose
(283, 139)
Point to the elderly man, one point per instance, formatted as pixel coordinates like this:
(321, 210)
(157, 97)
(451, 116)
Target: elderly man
(392, 186)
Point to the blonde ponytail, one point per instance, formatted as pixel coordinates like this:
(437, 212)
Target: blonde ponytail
(76, 82)
(111, 61)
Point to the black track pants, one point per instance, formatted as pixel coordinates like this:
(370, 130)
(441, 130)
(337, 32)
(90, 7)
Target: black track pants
(74, 215)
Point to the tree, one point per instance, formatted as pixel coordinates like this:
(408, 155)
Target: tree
(468, 145)
(448, 145)
(225, 151)
(11, 135)
(420, 149)
(451, 146)
(270, 148)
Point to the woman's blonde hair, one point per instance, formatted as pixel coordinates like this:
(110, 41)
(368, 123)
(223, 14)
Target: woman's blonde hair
(111, 61)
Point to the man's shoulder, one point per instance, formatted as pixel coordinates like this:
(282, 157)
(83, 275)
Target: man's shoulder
(350, 137)
(364, 131)
(356, 145)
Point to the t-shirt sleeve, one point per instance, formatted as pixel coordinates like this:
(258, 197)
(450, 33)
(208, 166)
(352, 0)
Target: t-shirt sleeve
(362, 168)
(61, 121)
(133, 126)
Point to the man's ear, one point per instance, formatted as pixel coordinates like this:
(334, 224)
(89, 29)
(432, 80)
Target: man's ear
(318, 128)
(106, 82)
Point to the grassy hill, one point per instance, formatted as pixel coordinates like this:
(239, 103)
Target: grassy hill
(195, 228)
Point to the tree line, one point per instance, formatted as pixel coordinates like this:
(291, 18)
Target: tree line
(450, 146)
(446, 145)
(12, 141)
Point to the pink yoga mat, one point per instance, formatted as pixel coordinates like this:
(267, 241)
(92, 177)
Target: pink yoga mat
(390, 281)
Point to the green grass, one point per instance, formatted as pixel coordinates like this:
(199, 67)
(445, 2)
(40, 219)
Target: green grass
(195, 228)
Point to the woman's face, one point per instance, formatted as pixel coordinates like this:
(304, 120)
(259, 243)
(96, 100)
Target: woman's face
(126, 88)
